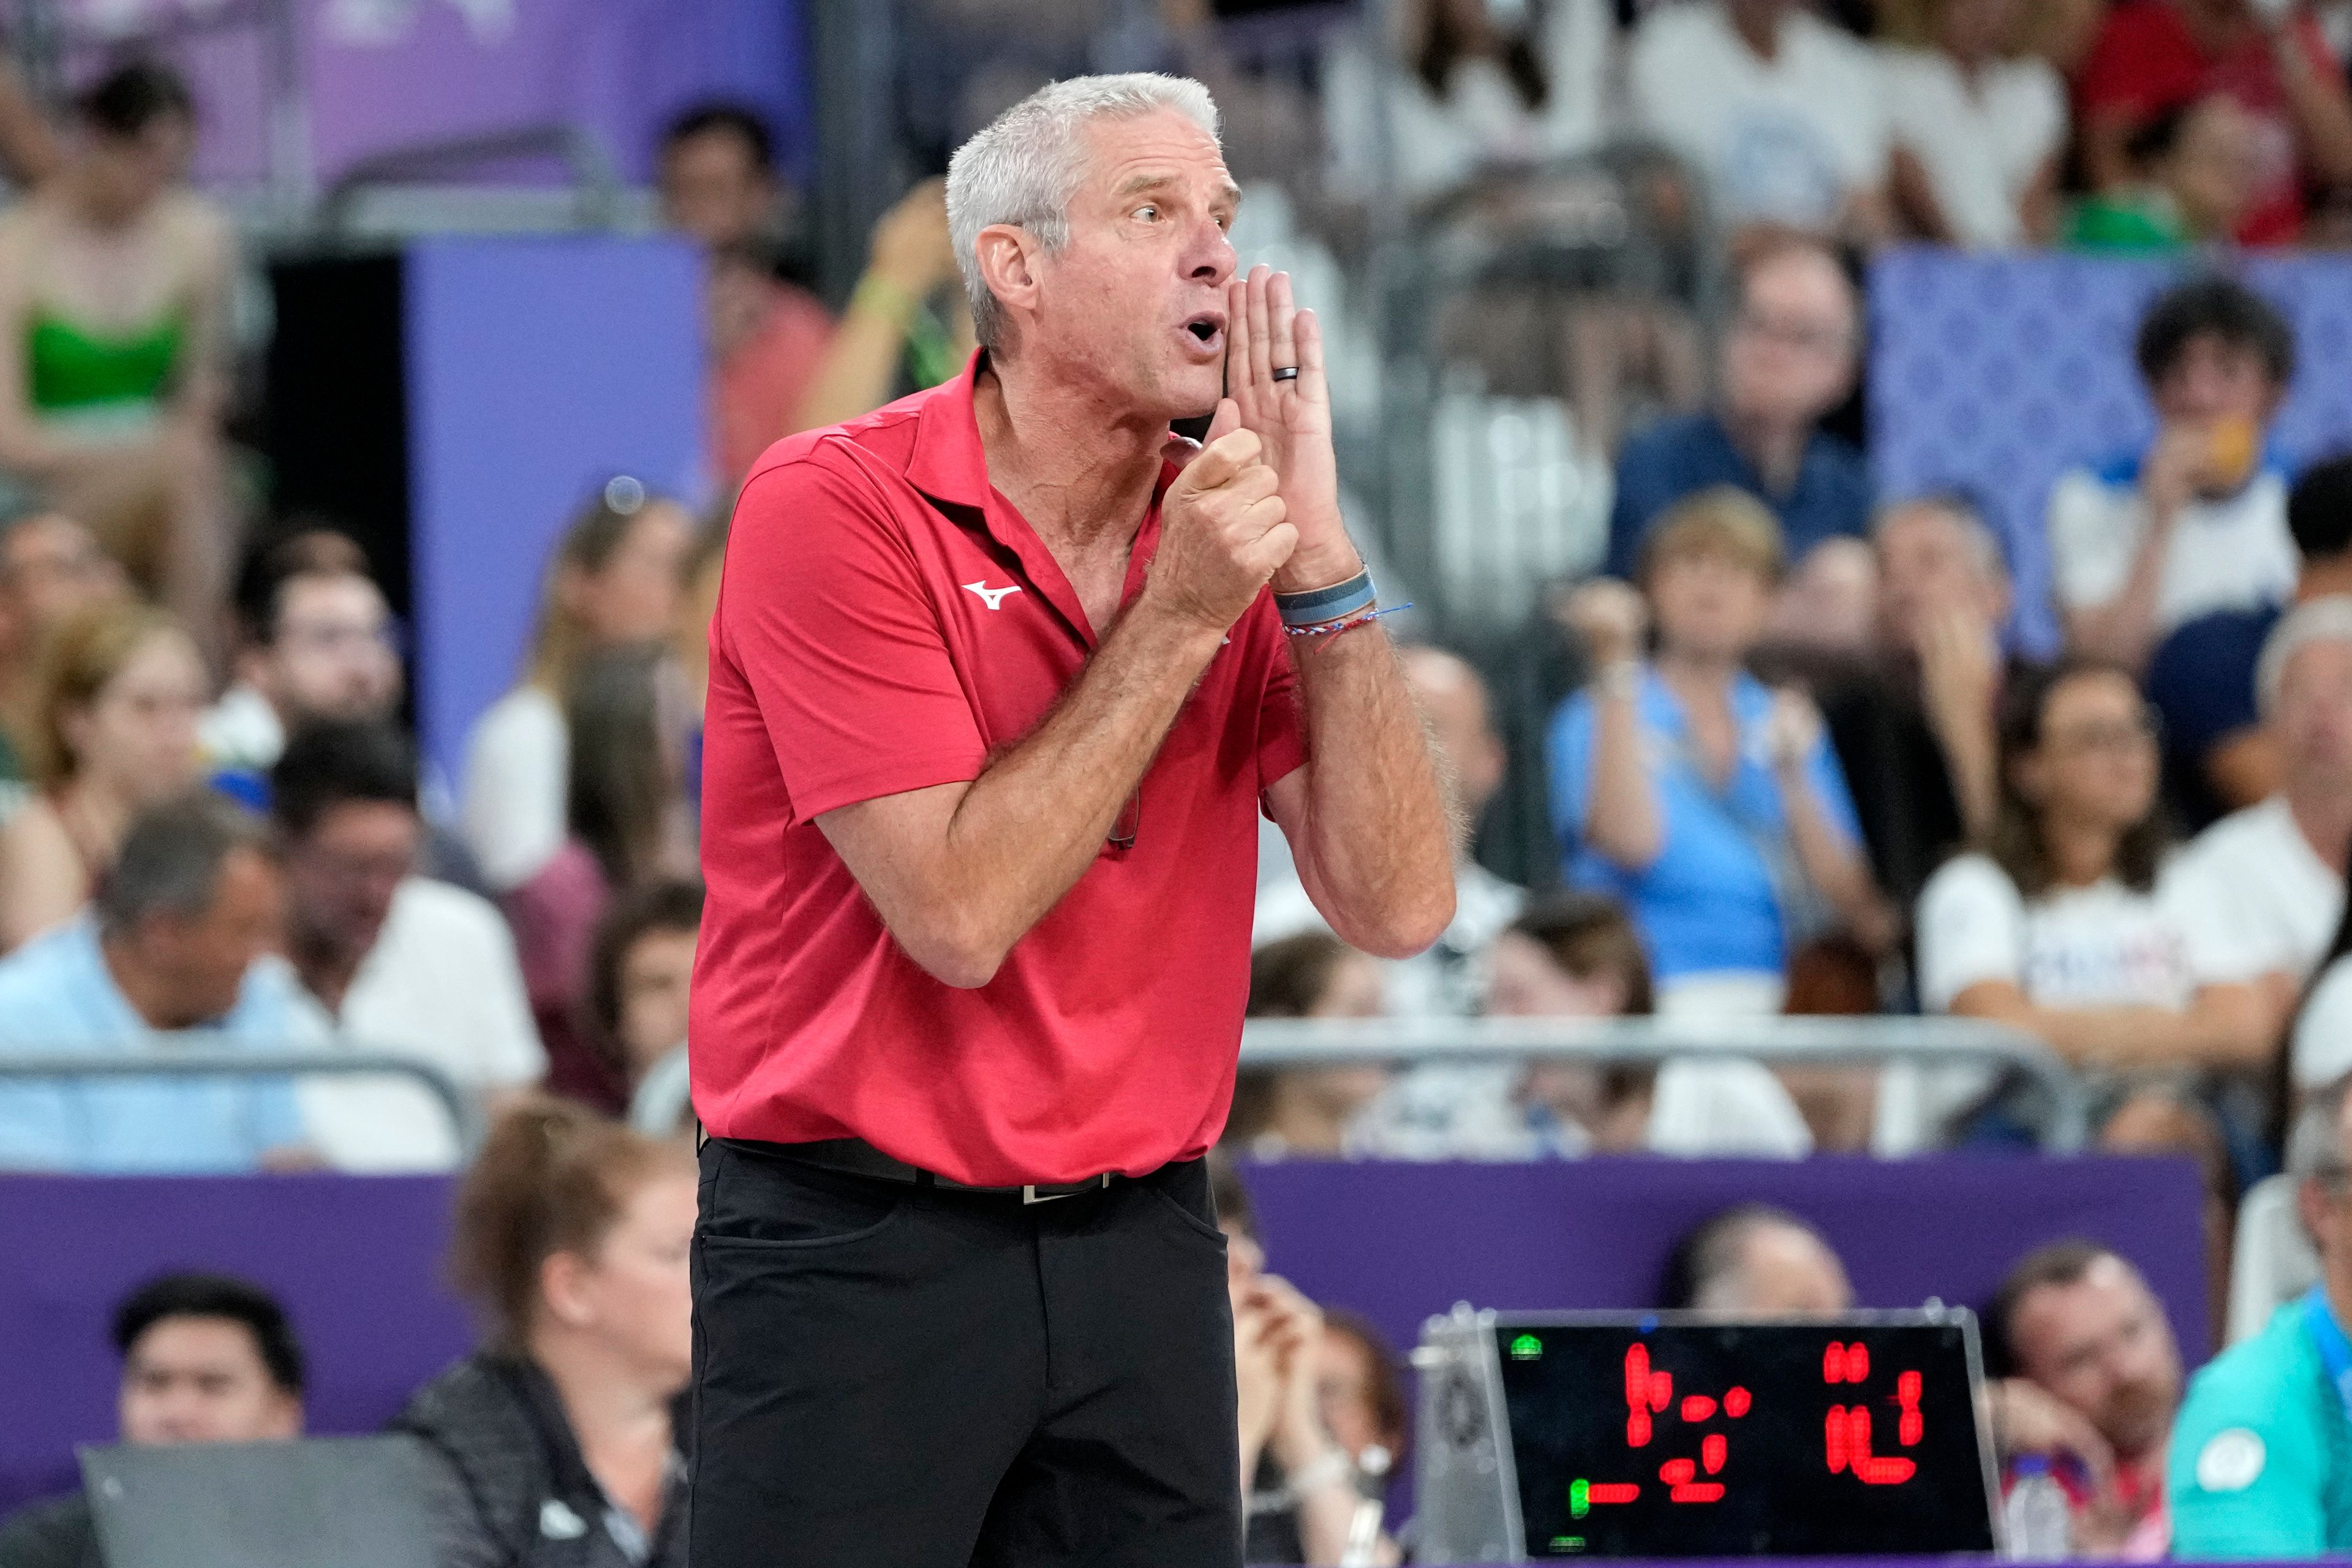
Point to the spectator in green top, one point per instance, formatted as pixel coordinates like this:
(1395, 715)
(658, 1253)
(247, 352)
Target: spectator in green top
(2198, 166)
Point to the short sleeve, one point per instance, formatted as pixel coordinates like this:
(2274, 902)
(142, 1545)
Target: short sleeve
(2215, 956)
(2323, 1033)
(1568, 754)
(1971, 929)
(2091, 540)
(823, 611)
(2246, 1474)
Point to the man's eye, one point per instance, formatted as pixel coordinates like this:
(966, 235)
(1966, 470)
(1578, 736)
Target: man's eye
(1148, 213)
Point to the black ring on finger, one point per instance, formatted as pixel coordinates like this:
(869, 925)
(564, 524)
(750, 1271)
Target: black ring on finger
(1285, 372)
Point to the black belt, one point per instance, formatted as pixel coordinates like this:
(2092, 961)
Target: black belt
(857, 1157)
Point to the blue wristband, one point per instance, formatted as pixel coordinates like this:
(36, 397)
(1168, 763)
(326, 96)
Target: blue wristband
(1333, 603)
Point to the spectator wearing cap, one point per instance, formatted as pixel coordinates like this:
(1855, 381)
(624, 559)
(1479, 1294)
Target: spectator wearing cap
(1789, 356)
(181, 939)
(389, 960)
(2219, 755)
(113, 733)
(2272, 874)
(206, 1359)
(2197, 522)
(2260, 1468)
(1710, 805)
(558, 1445)
(2094, 1384)
(1755, 1261)
(2274, 62)
(611, 581)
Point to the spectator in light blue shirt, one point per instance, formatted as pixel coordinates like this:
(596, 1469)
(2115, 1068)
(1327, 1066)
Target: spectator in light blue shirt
(1789, 357)
(1712, 807)
(170, 955)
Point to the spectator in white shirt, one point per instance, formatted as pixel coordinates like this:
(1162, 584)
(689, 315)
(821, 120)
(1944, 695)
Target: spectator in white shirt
(2066, 925)
(613, 580)
(1979, 129)
(1782, 114)
(2272, 874)
(390, 961)
(1445, 980)
(2197, 523)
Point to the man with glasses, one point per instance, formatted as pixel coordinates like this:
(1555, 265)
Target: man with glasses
(389, 960)
(1789, 357)
(2262, 1457)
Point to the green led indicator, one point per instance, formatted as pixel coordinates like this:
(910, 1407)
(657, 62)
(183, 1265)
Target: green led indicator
(1527, 1347)
(1567, 1543)
(1580, 1497)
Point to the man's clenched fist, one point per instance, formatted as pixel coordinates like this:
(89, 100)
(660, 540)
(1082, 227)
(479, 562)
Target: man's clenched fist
(1223, 534)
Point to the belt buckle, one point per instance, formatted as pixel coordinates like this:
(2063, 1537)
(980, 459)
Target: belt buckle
(1029, 1194)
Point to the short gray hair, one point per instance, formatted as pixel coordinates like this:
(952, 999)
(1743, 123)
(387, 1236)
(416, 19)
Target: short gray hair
(2325, 619)
(171, 857)
(1026, 166)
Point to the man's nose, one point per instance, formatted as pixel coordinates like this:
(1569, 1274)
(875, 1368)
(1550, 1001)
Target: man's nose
(1212, 258)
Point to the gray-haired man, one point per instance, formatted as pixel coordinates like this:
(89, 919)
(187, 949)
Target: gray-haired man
(996, 696)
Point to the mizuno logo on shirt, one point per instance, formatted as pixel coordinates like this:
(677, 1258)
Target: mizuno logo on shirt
(993, 598)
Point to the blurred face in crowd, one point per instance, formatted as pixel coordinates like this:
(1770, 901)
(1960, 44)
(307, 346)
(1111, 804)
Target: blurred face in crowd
(2215, 167)
(1347, 1378)
(713, 188)
(2096, 764)
(1525, 981)
(139, 734)
(202, 1380)
(2314, 717)
(1452, 702)
(1353, 990)
(123, 175)
(192, 967)
(1783, 1271)
(1710, 605)
(657, 972)
(343, 874)
(631, 1295)
(51, 566)
(2216, 382)
(632, 597)
(330, 655)
(1931, 560)
(1788, 357)
(2102, 1345)
(1134, 301)
(1829, 601)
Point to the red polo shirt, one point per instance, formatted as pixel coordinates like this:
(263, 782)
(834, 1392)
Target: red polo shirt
(887, 622)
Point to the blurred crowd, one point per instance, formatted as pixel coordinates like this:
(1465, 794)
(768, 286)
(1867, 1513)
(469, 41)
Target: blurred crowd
(1794, 757)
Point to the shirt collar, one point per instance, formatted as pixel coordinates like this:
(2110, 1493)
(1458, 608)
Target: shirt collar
(948, 464)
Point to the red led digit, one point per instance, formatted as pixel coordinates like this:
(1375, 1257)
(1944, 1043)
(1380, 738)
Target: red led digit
(1835, 1437)
(1713, 1451)
(1857, 1436)
(1662, 1390)
(1914, 1425)
(1857, 1363)
(1637, 1396)
(1833, 1362)
(1678, 1472)
(1637, 1429)
(1697, 1407)
(1612, 1493)
(1887, 1472)
(1735, 1402)
(1697, 1491)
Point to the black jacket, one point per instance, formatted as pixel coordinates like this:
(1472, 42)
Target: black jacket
(508, 1487)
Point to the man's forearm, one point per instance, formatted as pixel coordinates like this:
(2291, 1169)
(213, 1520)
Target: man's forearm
(1378, 838)
(1034, 820)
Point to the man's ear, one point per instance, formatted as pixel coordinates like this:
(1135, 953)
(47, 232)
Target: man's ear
(1009, 259)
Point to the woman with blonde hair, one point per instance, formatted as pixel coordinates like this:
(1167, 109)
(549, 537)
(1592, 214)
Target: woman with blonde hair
(113, 733)
(557, 1442)
(612, 581)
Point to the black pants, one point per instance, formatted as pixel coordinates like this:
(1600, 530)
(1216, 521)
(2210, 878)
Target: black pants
(892, 1376)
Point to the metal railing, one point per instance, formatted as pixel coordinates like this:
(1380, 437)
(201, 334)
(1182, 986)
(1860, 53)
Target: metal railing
(465, 1117)
(1873, 1041)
